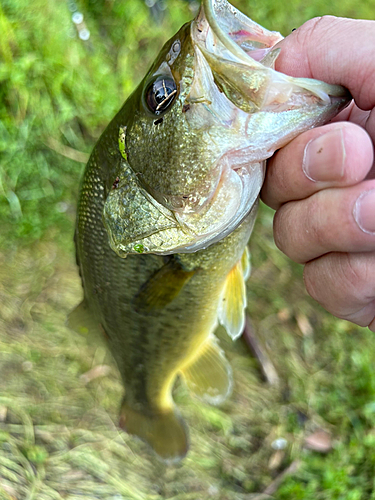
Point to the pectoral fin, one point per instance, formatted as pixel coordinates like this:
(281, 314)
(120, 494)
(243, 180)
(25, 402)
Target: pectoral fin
(161, 288)
(232, 304)
(210, 375)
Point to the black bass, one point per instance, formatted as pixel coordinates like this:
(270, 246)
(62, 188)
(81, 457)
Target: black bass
(167, 206)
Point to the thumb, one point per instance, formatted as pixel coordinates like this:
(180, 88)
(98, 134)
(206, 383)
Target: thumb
(335, 50)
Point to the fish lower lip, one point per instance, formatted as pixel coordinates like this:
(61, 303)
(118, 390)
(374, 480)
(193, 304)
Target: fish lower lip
(341, 101)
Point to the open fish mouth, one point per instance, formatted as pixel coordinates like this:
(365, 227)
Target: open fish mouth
(256, 108)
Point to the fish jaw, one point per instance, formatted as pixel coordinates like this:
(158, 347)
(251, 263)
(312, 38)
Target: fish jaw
(253, 110)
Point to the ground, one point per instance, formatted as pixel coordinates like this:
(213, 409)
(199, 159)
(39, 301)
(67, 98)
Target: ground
(307, 435)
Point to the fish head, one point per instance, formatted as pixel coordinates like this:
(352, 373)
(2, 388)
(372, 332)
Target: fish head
(197, 131)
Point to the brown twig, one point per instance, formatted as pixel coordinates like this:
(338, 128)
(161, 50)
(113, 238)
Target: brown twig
(276, 483)
(267, 367)
(274, 486)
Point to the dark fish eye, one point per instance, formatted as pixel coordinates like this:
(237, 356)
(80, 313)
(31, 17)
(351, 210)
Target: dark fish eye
(160, 93)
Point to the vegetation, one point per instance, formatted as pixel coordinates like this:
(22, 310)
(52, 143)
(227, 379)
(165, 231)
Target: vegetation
(59, 393)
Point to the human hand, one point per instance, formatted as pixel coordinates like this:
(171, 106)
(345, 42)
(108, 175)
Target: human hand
(322, 183)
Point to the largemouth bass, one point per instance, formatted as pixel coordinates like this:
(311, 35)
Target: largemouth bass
(167, 206)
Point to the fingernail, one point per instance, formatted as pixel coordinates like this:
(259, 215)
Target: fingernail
(324, 157)
(364, 211)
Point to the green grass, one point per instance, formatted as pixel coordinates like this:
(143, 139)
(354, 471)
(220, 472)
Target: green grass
(58, 432)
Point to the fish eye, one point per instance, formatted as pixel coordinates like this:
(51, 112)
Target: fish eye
(160, 94)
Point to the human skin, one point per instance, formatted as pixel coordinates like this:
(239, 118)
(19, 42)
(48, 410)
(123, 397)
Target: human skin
(322, 184)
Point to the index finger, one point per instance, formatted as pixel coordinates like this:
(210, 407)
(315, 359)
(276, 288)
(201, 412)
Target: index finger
(335, 50)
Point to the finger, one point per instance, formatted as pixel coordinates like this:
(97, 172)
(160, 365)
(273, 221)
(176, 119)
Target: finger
(335, 50)
(336, 155)
(337, 219)
(353, 114)
(365, 119)
(344, 284)
(370, 125)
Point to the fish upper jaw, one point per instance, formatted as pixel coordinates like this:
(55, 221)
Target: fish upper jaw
(225, 30)
(241, 54)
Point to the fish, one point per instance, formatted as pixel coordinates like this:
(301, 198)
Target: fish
(167, 205)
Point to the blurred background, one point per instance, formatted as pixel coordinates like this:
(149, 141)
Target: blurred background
(300, 424)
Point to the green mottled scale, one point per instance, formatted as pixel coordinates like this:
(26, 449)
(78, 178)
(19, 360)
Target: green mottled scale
(151, 342)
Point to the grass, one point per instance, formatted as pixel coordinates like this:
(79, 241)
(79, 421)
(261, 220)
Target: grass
(58, 433)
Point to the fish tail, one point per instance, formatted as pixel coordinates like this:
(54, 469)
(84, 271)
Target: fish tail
(165, 432)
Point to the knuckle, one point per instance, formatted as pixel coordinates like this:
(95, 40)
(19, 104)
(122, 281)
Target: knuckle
(312, 32)
(316, 26)
(310, 282)
(316, 223)
(307, 31)
(275, 189)
(298, 228)
(287, 234)
(339, 282)
(280, 229)
(372, 324)
(355, 273)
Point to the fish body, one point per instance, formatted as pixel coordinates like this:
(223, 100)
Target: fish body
(167, 205)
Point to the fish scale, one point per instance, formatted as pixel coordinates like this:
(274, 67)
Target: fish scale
(104, 272)
(167, 205)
